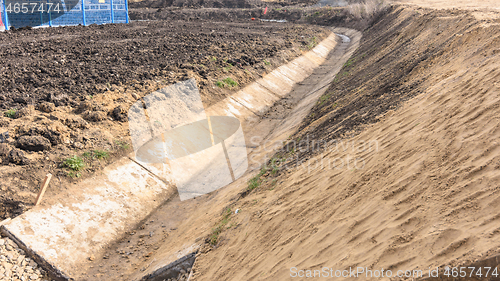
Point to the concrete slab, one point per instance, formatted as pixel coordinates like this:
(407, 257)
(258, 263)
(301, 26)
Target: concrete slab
(220, 109)
(277, 82)
(297, 75)
(314, 58)
(63, 236)
(230, 107)
(323, 49)
(255, 98)
(303, 63)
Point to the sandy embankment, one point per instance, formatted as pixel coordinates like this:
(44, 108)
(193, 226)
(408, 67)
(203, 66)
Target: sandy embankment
(428, 196)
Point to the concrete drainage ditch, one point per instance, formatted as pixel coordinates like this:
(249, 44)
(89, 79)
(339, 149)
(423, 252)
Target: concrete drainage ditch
(179, 270)
(303, 95)
(64, 237)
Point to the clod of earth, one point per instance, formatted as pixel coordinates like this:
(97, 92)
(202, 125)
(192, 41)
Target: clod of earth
(33, 143)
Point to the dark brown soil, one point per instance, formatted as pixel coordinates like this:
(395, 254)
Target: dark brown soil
(326, 16)
(196, 4)
(66, 65)
(216, 3)
(66, 91)
(379, 77)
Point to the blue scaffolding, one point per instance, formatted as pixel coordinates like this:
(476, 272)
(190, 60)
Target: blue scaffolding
(35, 13)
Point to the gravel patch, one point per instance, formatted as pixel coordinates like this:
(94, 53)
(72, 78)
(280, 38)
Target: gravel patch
(15, 265)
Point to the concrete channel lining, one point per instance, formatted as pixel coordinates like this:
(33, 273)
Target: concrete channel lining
(254, 99)
(62, 237)
(257, 97)
(310, 89)
(100, 210)
(173, 269)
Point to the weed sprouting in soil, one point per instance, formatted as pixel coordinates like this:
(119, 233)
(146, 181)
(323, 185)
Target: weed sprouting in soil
(226, 82)
(230, 82)
(273, 167)
(101, 154)
(122, 144)
(219, 84)
(74, 174)
(96, 154)
(312, 43)
(216, 231)
(10, 113)
(256, 181)
(74, 163)
(349, 62)
(324, 98)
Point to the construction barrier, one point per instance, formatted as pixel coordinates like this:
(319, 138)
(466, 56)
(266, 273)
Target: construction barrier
(35, 13)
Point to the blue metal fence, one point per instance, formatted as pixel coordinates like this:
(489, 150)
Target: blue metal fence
(3, 15)
(21, 13)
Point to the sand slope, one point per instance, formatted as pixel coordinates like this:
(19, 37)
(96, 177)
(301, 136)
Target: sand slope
(458, 4)
(428, 196)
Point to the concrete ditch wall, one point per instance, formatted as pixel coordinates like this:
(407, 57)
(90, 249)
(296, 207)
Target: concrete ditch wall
(256, 98)
(250, 103)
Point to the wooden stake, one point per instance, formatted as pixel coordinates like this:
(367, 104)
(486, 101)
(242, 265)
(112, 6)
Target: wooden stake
(42, 190)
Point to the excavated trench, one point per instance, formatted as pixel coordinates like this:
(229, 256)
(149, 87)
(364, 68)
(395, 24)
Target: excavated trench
(269, 126)
(424, 83)
(415, 74)
(384, 72)
(268, 109)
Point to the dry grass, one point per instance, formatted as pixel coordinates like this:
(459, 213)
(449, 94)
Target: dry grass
(367, 8)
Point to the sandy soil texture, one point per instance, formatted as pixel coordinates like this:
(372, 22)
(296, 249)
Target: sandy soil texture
(66, 91)
(459, 4)
(417, 107)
